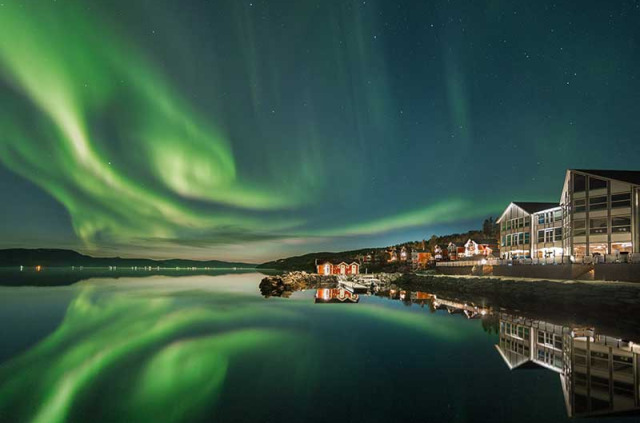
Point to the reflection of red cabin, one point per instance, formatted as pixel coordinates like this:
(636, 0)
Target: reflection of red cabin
(335, 295)
(326, 268)
(423, 296)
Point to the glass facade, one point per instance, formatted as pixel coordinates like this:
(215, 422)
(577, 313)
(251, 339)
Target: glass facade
(621, 200)
(598, 225)
(599, 215)
(598, 203)
(621, 224)
(594, 214)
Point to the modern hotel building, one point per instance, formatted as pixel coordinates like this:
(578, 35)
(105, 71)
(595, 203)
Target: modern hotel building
(598, 216)
(601, 212)
(531, 230)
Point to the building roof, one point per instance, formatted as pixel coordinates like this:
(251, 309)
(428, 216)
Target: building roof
(337, 262)
(630, 176)
(531, 207)
(482, 241)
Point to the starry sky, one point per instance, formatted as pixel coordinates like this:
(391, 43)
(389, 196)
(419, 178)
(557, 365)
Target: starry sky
(252, 130)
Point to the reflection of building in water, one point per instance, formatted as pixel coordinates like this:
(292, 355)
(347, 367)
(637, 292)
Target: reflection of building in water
(599, 374)
(336, 295)
(604, 376)
(470, 310)
(327, 268)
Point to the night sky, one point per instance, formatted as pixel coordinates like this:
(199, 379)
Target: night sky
(252, 130)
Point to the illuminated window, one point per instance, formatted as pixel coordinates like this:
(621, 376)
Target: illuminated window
(557, 342)
(558, 234)
(545, 235)
(621, 224)
(598, 226)
(598, 249)
(623, 247)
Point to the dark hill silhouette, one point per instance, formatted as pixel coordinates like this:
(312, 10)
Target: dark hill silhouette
(62, 258)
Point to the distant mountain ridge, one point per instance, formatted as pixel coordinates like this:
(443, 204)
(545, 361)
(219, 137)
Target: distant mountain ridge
(53, 257)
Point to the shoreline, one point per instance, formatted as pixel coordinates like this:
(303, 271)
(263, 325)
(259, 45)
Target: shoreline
(611, 306)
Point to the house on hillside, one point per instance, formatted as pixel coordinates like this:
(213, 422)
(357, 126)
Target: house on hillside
(401, 254)
(420, 258)
(327, 268)
(455, 251)
(392, 255)
(482, 248)
(437, 253)
(404, 253)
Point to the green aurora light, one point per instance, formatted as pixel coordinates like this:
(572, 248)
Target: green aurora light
(249, 131)
(171, 342)
(80, 75)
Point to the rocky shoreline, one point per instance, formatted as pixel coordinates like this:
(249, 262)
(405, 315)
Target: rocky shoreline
(287, 283)
(611, 306)
(283, 285)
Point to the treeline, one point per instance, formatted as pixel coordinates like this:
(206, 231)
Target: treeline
(307, 262)
(490, 231)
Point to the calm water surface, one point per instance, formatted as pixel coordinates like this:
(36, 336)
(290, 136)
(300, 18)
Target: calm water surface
(211, 348)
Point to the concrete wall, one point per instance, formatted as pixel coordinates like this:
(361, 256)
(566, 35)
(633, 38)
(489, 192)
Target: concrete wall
(607, 272)
(617, 272)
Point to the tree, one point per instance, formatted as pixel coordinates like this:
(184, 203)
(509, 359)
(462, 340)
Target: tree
(490, 228)
(433, 241)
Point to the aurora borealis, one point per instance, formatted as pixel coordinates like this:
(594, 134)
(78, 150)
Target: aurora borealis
(170, 346)
(251, 130)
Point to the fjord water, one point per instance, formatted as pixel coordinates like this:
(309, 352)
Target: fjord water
(211, 348)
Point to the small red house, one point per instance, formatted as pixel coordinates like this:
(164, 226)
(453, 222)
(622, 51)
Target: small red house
(327, 268)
